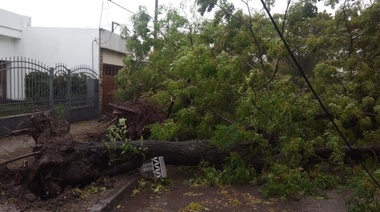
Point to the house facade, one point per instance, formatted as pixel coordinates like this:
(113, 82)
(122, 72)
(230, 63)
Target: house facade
(99, 49)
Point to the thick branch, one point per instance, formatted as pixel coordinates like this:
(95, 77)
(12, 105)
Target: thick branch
(124, 109)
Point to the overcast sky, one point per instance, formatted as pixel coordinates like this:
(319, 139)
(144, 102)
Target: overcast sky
(90, 13)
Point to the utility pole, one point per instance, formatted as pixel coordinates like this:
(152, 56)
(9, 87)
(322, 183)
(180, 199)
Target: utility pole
(155, 20)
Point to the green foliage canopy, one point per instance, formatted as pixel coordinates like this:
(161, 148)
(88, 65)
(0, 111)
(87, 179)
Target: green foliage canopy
(234, 82)
(224, 73)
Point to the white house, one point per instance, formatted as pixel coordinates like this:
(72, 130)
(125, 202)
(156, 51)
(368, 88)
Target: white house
(98, 48)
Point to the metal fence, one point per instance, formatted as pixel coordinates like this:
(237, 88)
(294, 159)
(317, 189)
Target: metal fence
(28, 86)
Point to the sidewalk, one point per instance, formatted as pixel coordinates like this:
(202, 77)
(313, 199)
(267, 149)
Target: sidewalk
(12, 143)
(77, 130)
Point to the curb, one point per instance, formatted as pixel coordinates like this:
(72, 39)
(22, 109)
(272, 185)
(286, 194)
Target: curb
(111, 200)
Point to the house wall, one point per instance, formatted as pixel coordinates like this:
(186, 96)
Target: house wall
(12, 31)
(112, 41)
(12, 24)
(113, 58)
(8, 46)
(72, 46)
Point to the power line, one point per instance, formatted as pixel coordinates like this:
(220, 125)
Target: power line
(122, 7)
(314, 92)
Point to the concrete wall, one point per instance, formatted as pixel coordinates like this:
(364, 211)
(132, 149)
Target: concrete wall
(72, 46)
(113, 48)
(12, 31)
(12, 24)
(112, 41)
(8, 46)
(113, 58)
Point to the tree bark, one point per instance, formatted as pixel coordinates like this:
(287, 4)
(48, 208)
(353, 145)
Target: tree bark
(184, 152)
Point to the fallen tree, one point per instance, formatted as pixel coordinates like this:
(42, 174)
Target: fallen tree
(59, 160)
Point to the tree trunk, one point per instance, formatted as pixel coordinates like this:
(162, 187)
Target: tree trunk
(184, 152)
(85, 162)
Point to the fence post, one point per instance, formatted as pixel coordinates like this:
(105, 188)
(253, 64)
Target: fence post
(68, 95)
(51, 89)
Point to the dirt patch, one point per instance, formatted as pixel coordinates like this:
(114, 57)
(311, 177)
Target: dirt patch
(90, 131)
